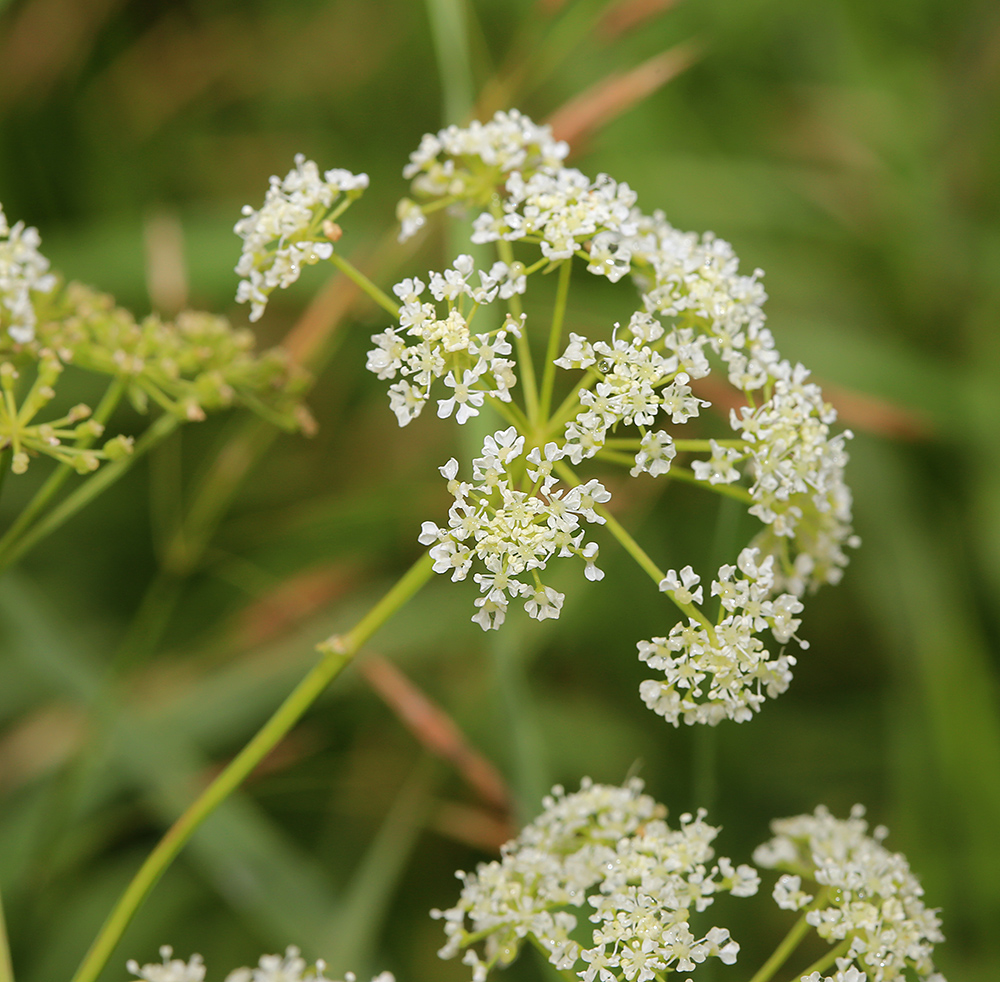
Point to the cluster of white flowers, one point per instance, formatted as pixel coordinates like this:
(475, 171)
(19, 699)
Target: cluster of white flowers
(794, 463)
(636, 382)
(290, 967)
(23, 270)
(609, 849)
(715, 672)
(514, 532)
(867, 895)
(473, 365)
(295, 227)
(561, 211)
(467, 164)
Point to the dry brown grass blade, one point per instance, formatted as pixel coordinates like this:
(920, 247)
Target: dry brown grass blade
(859, 410)
(584, 115)
(291, 602)
(626, 15)
(47, 40)
(471, 826)
(435, 729)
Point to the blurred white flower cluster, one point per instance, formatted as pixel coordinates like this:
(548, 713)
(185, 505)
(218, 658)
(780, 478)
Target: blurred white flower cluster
(865, 895)
(290, 967)
(607, 852)
(295, 227)
(466, 164)
(23, 270)
(513, 532)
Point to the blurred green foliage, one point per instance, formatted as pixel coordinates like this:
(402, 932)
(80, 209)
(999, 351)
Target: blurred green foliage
(851, 149)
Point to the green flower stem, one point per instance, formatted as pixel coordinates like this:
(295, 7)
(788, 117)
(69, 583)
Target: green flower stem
(355, 275)
(730, 490)
(528, 381)
(6, 968)
(822, 964)
(569, 406)
(555, 337)
(58, 477)
(87, 491)
(337, 652)
(781, 954)
(636, 551)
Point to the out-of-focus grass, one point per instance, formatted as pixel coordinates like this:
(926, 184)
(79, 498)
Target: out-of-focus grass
(849, 149)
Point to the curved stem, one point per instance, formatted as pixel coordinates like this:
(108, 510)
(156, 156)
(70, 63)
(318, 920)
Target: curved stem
(822, 964)
(555, 336)
(337, 652)
(87, 491)
(355, 275)
(636, 551)
(529, 383)
(730, 490)
(780, 955)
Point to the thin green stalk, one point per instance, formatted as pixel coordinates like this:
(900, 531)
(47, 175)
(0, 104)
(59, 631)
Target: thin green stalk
(555, 337)
(57, 478)
(637, 552)
(822, 964)
(730, 490)
(6, 966)
(87, 491)
(353, 273)
(450, 36)
(781, 954)
(529, 384)
(337, 652)
(568, 407)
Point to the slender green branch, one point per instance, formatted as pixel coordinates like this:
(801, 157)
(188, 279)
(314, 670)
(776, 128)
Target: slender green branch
(353, 273)
(822, 964)
(337, 652)
(87, 491)
(510, 412)
(529, 383)
(781, 954)
(555, 337)
(6, 966)
(57, 478)
(568, 407)
(449, 34)
(636, 551)
(730, 490)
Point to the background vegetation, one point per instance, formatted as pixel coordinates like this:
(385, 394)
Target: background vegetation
(850, 149)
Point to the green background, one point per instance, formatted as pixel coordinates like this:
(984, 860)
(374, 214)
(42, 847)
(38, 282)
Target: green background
(848, 148)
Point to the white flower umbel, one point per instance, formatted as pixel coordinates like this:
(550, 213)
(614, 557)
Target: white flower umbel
(23, 271)
(561, 211)
(513, 520)
(444, 346)
(866, 898)
(295, 227)
(290, 967)
(606, 853)
(633, 392)
(720, 671)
